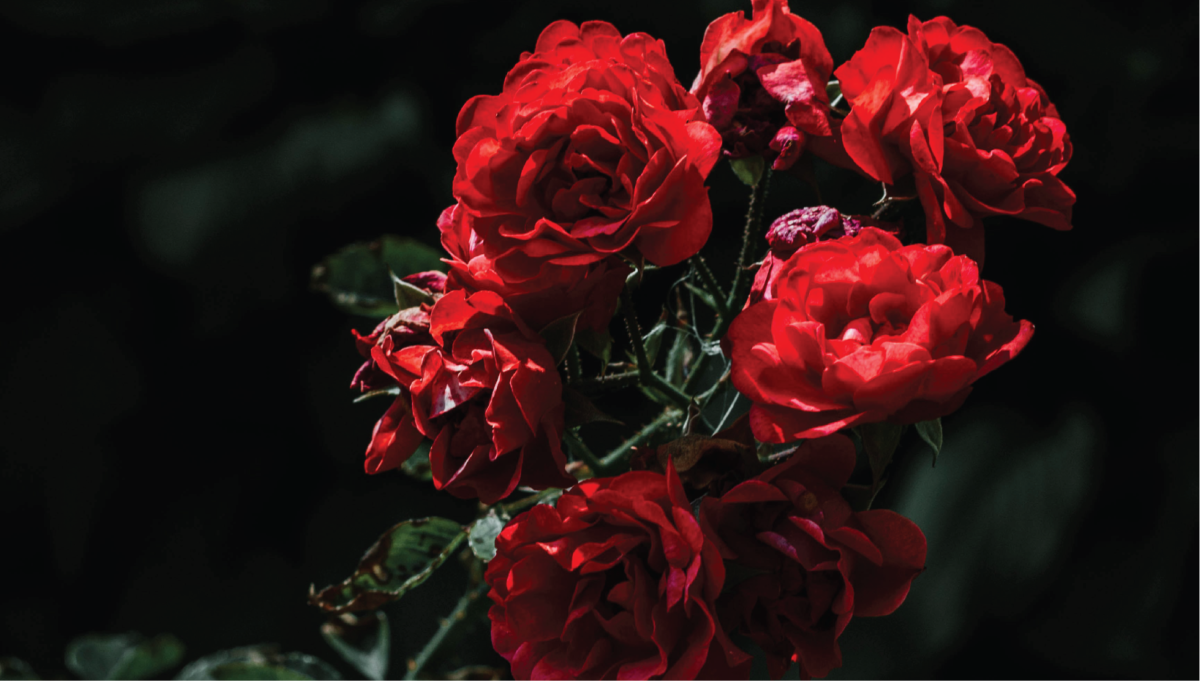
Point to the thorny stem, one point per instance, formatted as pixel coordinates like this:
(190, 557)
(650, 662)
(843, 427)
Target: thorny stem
(531, 500)
(640, 437)
(611, 381)
(695, 371)
(577, 444)
(886, 202)
(574, 363)
(710, 282)
(645, 371)
(758, 198)
(459, 613)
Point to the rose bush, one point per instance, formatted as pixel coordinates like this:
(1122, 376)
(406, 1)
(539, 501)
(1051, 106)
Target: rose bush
(593, 148)
(484, 389)
(956, 111)
(762, 82)
(862, 329)
(813, 564)
(616, 581)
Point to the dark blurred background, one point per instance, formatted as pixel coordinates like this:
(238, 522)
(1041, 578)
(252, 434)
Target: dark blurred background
(179, 448)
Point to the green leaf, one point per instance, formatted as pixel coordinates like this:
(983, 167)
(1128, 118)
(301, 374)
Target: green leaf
(483, 536)
(749, 169)
(391, 390)
(417, 466)
(879, 441)
(476, 671)
(364, 641)
(676, 358)
(359, 277)
(408, 295)
(652, 341)
(257, 662)
(834, 90)
(931, 432)
(404, 256)
(637, 262)
(580, 410)
(559, 334)
(860, 497)
(123, 656)
(596, 344)
(704, 296)
(12, 669)
(399, 561)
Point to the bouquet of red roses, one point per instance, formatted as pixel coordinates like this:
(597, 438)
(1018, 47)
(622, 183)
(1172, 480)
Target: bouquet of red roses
(728, 515)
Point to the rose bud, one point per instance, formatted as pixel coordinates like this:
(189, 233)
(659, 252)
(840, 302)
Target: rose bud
(762, 82)
(791, 231)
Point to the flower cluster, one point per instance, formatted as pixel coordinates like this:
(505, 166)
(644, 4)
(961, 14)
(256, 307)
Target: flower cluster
(591, 162)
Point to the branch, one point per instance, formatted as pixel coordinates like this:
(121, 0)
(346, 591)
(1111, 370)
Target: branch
(639, 438)
(710, 283)
(458, 614)
(609, 382)
(758, 198)
(576, 444)
(646, 373)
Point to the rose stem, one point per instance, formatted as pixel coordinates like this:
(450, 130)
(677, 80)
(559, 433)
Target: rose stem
(758, 199)
(459, 613)
(574, 364)
(710, 283)
(577, 446)
(645, 371)
(611, 381)
(531, 500)
(640, 437)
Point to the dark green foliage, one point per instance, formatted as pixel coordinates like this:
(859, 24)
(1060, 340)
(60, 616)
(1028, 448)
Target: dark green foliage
(123, 656)
(400, 560)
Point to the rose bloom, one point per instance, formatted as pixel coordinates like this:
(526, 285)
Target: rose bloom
(956, 111)
(762, 82)
(592, 149)
(862, 329)
(615, 581)
(486, 391)
(813, 564)
(395, 438)
(553, 290)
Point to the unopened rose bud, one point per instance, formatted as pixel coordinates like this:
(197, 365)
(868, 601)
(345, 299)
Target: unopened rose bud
(803, 226)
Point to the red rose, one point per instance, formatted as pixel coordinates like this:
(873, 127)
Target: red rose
(592, 149)
(862, 329)
(814, 564)
(956, 111)
(616, 581)
(395, 436)
(762, 82)
(486, 391)
(546, 291)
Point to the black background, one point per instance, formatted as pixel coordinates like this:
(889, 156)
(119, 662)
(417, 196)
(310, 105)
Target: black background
(179, 450)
